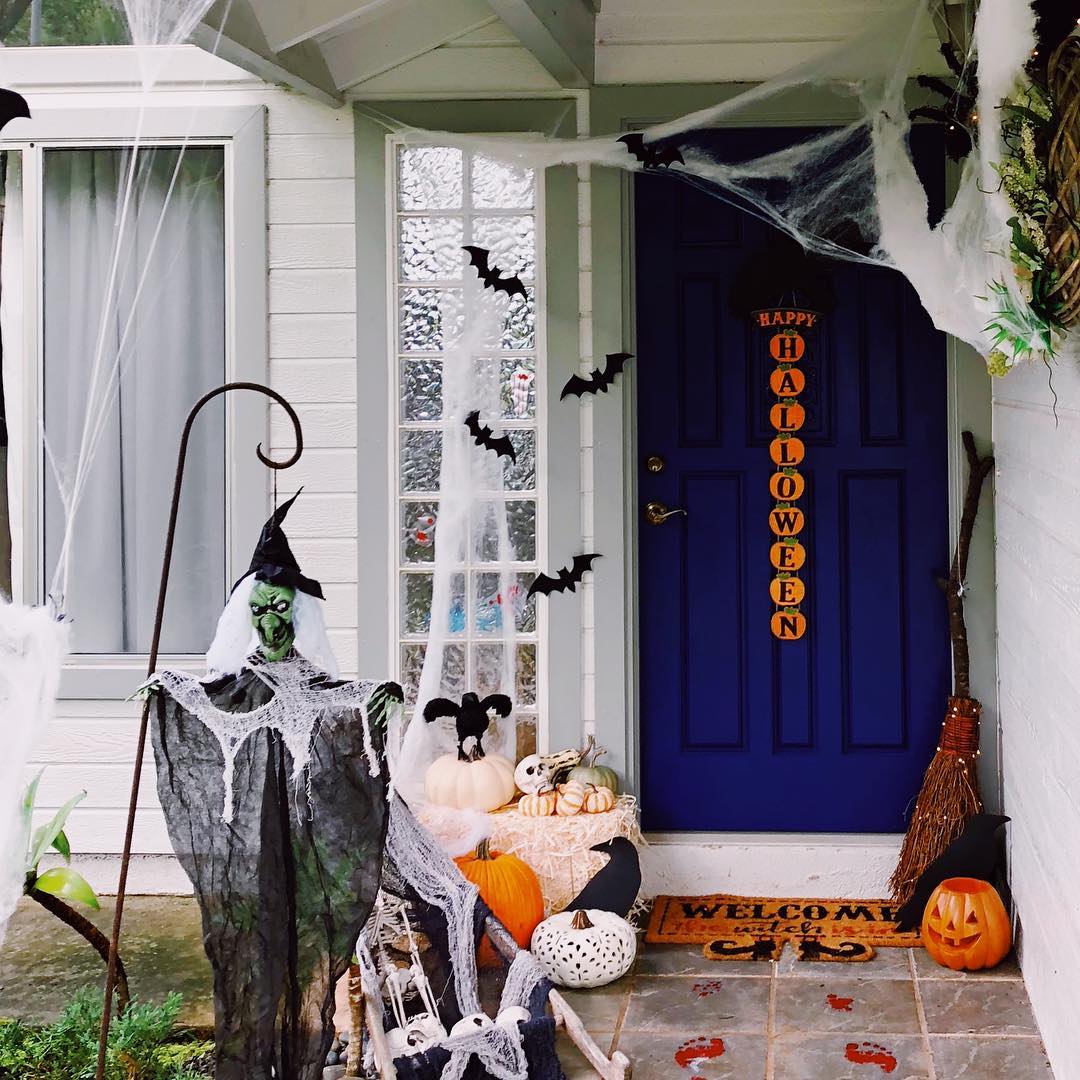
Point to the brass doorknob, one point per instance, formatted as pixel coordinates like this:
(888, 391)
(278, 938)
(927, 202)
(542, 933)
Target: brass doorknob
(656, 513)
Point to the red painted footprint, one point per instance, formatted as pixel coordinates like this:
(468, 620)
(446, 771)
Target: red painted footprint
(840, 1004)
(705, 989)
(870, 1054)
(694, 1051)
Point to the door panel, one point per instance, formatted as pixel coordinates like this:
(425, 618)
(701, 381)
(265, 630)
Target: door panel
(740, 731)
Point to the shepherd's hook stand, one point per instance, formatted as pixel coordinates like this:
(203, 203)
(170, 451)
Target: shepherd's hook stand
(151, 667)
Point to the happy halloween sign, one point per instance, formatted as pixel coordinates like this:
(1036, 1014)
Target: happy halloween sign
(787, 346)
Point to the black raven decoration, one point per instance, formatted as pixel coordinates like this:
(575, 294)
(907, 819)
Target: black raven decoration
(12, 105)
(975, 853)
(567, 578)
(598, 381)
(492, 276)
(470, 717)
(483, 436)
(651, 155)
(613, 887)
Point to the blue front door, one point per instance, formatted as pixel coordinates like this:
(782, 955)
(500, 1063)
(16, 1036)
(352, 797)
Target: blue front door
(741, 731)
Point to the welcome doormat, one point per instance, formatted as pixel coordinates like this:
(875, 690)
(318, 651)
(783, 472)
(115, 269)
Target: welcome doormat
(756, 927)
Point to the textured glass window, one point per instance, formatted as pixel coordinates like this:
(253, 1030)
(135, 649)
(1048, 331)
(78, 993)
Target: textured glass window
(445, 199)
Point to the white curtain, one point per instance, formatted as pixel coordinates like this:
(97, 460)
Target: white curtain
(134, 333)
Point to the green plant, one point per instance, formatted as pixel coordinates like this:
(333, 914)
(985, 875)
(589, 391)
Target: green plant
(143, 1045)
(1026, 318)
(52, 888)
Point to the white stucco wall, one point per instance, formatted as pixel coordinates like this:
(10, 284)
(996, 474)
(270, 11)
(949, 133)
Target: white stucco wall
(312, 349)
(1038, 569)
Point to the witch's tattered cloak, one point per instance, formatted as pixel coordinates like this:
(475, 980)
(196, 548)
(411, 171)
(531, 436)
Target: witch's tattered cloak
(273, 783)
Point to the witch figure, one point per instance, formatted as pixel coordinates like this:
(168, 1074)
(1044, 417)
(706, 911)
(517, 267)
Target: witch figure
(273, 781)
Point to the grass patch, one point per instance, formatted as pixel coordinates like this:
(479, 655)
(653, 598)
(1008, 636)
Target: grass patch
(143, 1045)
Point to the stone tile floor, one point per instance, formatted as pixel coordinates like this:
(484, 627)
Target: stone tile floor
(677, 1016)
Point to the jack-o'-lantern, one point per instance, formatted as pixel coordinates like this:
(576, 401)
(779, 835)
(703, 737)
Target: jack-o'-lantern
(787, 381)
(787, 450)
(965, 926)
(787, 416)
(786, 590)
(788, 555)
(786, 485)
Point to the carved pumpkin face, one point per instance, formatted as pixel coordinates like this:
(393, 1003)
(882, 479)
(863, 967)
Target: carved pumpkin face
(965, 926)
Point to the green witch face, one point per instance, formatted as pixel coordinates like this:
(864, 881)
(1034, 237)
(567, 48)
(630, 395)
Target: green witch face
(272, 617)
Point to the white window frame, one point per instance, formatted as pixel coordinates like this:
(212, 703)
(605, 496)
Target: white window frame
(538, 710)
(241, 133)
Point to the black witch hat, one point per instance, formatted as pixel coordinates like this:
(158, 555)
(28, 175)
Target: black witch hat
(274, 561)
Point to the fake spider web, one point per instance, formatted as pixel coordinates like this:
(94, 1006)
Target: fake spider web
(850, 191)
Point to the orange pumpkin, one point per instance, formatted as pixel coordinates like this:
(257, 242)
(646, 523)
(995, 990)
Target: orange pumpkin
(787, 555)
(510, 888)
(786, 520)
(786, 589)
(787, 416)
(786, 485)
(787, 450)
(788, 624)
(787, 347)
(787, 382)
(965, 926)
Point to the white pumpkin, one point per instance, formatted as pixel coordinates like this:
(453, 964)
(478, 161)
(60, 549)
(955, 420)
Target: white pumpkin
(581, 949)
(483, 784)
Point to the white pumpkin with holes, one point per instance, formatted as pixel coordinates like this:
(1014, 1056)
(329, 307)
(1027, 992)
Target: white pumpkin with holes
(581, 949)
(480, 784)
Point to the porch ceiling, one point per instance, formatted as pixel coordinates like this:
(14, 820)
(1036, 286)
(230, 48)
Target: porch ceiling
(378, 48)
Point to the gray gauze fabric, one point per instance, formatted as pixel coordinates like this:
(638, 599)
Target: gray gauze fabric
(286, 886)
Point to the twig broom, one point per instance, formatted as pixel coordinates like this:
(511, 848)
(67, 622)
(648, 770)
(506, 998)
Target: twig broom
(949, 796)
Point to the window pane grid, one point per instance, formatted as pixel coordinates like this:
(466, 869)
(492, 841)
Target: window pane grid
(446, 199)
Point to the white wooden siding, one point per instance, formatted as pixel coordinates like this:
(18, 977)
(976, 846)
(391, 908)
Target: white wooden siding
(312, 332)
(1038, 596)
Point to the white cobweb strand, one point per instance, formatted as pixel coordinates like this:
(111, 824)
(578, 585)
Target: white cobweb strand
(33, 644)
(294, 712)
(468, 477)
(414, 858)
(860, 172)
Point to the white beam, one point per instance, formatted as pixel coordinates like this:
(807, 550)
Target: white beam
(231, 30)
(561, 34)
(289, 22)
(397, 33)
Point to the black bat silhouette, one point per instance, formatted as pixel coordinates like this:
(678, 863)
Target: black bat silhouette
(812, 949)
(651, 155)
(12, 105)
(598, 381)
(490, 275)
(482, 435)
(724, 949)
(567, 578)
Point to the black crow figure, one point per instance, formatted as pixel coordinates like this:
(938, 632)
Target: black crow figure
(975, 853)
(471, 718)
(613, 887)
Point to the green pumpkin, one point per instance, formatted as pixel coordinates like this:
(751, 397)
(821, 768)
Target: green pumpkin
(588, 772)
